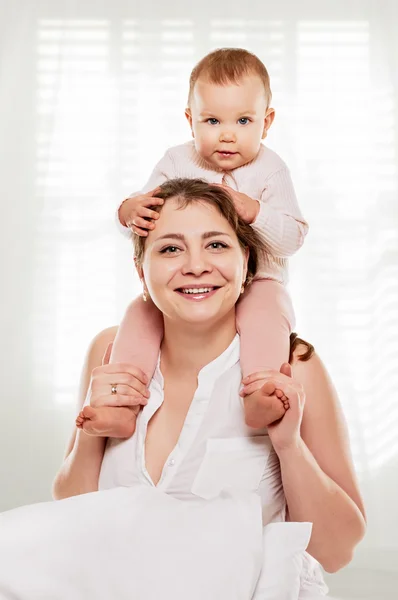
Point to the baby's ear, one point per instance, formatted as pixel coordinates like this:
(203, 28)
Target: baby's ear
(188, 116)
(268, 120)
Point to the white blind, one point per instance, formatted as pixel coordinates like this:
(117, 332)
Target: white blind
(110, 100)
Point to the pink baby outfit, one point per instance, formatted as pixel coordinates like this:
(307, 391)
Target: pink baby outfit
(265, 315)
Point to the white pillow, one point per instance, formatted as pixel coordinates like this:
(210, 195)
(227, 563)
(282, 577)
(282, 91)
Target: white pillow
(132, 544)
(284, 545)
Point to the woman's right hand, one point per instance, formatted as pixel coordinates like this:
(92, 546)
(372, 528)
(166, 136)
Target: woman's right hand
(110, 413)
(130, 383)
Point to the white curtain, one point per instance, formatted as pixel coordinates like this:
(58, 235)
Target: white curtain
(91, 94)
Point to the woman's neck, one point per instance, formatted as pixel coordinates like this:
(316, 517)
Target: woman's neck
(187, 350)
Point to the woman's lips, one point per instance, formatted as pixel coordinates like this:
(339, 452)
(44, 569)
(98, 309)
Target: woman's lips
(202, 294)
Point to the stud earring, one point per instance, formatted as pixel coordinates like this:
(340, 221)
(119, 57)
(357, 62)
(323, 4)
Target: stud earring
(242, 289)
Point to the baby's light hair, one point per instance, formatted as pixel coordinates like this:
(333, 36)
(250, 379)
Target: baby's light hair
(229, 65)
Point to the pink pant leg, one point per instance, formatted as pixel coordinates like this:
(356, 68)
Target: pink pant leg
(139, 336)
(265, 318)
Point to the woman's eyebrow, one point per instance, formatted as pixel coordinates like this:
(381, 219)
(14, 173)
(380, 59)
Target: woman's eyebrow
(180, 236)
(174, 236)
(210, 234)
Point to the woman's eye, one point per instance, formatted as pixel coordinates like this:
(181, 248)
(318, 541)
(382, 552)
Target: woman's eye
(169, 250)
(217, 245)
(212, 121)
(243, 121)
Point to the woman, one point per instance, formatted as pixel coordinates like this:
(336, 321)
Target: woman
(194, 436)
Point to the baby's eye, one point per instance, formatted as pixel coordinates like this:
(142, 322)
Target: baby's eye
(244, 120)
(169, 250)
(212, 121)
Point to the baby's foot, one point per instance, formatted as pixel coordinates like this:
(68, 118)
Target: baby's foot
(265, 406)
(108, 421)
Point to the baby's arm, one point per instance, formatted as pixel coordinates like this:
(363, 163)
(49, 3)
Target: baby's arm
(163, 171)
(279, 219)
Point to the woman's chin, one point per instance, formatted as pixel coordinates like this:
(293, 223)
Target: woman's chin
(206, 312)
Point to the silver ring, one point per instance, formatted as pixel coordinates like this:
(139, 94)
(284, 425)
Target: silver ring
(114, 388)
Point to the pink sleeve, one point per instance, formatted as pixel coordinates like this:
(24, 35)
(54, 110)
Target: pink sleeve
(279, 220)
(163, 171)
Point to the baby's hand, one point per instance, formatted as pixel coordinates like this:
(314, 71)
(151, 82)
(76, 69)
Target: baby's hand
(246, 207)
(134, 212)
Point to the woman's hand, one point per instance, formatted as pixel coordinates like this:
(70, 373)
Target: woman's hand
(116, 394)
(284, 433)
(129, 381)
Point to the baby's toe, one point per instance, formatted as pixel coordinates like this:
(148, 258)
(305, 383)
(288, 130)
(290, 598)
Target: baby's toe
(89, 413)
(268, 388)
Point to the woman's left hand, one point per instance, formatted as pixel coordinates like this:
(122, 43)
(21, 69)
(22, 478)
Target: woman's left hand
(285, 432)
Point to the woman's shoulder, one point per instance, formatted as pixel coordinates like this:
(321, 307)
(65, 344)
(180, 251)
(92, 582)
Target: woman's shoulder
(100, 343)
(306, 363)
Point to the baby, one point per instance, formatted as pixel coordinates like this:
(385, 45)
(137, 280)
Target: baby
(229, 115)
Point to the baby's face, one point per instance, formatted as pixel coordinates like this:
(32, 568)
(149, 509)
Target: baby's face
(229, 121)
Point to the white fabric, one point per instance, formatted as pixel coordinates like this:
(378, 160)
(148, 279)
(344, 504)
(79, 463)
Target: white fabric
(132, 544)
(266, 179)
(284, 545)
(216, 451)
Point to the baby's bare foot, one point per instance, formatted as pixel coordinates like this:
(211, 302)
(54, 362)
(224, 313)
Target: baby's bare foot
(265, 406)
(108, 421)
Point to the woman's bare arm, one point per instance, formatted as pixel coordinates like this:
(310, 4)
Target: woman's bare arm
(318, 477)
(80, 470)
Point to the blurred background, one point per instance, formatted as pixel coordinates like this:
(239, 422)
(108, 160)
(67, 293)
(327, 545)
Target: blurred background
(91, 95)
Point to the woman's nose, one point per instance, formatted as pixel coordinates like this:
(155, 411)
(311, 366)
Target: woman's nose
(196, 263)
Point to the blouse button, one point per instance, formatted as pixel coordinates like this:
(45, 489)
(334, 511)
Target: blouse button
(171, 462)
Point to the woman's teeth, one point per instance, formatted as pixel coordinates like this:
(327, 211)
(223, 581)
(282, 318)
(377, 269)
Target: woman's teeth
(196, 290)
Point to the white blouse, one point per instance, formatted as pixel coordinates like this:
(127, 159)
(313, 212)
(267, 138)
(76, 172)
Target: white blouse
(216, 451)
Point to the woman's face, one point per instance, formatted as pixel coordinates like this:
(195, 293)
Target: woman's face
(193, 264)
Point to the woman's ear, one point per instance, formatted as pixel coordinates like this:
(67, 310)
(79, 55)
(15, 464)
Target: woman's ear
(188, 116)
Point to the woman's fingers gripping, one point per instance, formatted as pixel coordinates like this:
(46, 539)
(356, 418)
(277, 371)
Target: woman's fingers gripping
(127, 382)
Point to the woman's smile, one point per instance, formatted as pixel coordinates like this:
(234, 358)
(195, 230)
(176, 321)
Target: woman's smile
(197, 292)
(194, 259)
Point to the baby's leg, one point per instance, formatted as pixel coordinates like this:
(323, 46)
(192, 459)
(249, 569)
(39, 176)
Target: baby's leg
(265, 319)
(139, 336)
(137, 343)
